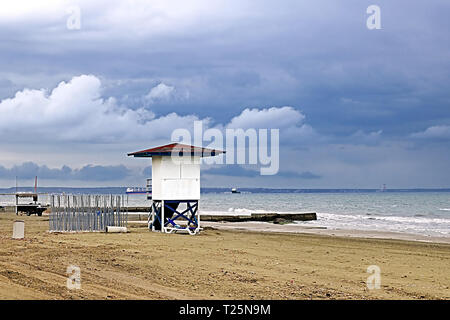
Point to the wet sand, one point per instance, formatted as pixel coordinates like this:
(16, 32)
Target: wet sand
(216, 264)
(299, 228)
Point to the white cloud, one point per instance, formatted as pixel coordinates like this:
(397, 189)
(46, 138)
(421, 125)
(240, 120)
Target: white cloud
(160, 92)
(274, 117)
(24, 9)
(120, 18)
(288, 120)
(434, 132)
(75, 111)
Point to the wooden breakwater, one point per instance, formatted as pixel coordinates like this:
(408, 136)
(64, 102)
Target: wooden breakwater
(269, 217)
(273, 216)
(138, 209)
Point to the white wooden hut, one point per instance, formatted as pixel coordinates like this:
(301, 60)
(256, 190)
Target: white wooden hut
(175, 186)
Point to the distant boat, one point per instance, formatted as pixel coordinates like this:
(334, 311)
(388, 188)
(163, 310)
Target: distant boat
(234, 190)
(140, 190)
(135, 190)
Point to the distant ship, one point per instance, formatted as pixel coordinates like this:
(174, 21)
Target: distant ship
(135, 190)
(140, 190)
(234, 190)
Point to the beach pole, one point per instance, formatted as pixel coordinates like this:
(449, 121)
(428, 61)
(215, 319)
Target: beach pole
(162, 216)
(50, 216)
(58, 221)
(83, 222)
(64, 214)
(198, 216)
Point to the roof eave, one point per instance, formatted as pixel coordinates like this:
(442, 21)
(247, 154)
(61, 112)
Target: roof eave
(151, 154)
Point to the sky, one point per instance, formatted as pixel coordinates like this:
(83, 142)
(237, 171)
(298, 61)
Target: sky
(355, 107)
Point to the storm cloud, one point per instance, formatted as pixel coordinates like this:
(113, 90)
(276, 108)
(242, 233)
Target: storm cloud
(356, 107)
(29, 170)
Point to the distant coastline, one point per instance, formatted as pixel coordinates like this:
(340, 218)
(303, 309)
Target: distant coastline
(122, 190)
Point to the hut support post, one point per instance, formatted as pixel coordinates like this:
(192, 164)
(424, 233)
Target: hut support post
(166, 213)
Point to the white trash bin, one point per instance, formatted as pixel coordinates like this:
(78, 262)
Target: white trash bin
(18, 229)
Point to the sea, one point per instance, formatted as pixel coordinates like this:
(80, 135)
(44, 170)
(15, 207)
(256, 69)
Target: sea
(421, 212)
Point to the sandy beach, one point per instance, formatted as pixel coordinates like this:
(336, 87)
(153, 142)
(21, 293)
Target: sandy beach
(222, 262)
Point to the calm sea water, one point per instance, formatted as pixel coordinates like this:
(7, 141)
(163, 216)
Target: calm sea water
(424, 213)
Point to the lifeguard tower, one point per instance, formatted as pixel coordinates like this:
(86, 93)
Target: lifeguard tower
(175, 186)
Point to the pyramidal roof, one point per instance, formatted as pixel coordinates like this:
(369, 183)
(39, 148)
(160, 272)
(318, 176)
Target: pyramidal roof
(178, 149)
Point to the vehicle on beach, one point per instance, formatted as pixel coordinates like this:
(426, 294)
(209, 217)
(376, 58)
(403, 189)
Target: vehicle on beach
(31, 208)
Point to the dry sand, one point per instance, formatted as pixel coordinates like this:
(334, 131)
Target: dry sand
(216, 264)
